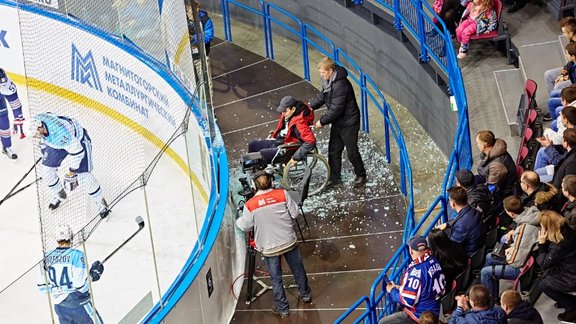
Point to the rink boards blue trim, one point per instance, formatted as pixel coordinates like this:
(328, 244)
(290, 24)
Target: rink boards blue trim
(215, 213)
(131, 49)
(196, 261)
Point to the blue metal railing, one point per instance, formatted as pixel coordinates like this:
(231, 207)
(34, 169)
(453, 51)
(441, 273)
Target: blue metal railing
(417, 18)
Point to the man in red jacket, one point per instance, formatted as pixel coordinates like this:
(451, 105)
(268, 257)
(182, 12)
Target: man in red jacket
(293, 127)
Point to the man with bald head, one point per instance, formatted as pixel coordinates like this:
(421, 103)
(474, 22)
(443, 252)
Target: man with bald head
(537, 193)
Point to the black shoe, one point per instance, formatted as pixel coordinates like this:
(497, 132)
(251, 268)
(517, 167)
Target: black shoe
(547, 117)
(359, 182)
(568, 316)
(332, 183)
(279, 313)
(306, 300)
(517, 5)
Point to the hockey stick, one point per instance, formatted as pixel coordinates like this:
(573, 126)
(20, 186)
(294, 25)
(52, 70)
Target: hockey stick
(140, 222)
(22, 189)
(19, 182)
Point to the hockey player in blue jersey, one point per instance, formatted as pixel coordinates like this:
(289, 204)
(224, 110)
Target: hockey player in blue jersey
(8, 91)
(64, 276)
(62, 137)
(421, 287)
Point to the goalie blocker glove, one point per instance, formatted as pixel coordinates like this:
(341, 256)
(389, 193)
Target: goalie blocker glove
(96, 270)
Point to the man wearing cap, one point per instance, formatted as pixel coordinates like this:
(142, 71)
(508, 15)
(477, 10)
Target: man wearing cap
(421, 287)
(343, 115)
(269, 213)
(478, 195)
(293, 127)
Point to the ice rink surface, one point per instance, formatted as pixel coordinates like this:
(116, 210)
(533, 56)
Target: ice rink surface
(147, 265)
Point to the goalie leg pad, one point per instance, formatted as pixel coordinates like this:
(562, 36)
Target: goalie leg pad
(51, 180)
(89, 182)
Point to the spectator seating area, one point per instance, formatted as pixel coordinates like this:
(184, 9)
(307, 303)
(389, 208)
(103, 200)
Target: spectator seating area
(501, 37)
(529, 128)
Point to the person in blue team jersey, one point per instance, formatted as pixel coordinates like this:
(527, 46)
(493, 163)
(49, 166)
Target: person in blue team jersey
(64, 276)
(421, 287)
(8, 92)
(62, 138)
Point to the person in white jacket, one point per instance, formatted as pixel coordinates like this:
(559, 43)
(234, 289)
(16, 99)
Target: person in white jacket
(269, 214)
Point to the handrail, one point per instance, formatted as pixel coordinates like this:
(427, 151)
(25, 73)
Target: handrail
(415, 16)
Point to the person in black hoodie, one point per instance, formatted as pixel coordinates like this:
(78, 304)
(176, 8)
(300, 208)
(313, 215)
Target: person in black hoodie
(344, 116)
(478, 195)
(518, 311)
(557, 257)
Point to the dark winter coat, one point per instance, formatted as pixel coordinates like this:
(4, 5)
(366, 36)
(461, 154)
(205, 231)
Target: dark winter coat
(493, 315)
(340, 100)
(547, 199)
(558, 260)
(299, 132)
(499, 168)
(480, 198)
(468, 229)
(566, 166)
(569, 212)
(544, 197)
(524, 314)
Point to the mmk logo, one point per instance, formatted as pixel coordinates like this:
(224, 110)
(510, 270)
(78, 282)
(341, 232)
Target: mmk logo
(83, 69)
(3, 42)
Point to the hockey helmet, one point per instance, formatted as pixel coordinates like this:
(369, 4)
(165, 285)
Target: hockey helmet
(33, 128)
(64, 233)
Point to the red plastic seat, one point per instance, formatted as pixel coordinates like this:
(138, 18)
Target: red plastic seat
(495, 33)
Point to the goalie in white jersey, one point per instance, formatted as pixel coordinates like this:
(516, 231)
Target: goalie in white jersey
(64, 275)
(62, 137)
(8, 91)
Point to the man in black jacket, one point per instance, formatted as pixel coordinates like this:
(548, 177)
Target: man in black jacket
(518, 311)
(344, 116)
(478, 195)
(537, 193)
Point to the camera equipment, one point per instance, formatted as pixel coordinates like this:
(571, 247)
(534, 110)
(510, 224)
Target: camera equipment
(247, 192)
(252, 162)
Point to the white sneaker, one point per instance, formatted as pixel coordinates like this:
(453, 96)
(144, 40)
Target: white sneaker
(9, 153)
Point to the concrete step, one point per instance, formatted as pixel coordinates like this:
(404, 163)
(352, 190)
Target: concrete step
(539, 57)
(510, 85)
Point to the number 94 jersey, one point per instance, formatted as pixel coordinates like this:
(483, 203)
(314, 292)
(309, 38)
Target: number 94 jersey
(64, 275)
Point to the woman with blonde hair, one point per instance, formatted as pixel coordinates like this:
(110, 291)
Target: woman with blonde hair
(557, 257)
(479, 17)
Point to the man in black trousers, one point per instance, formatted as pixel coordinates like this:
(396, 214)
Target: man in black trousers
(344, 116)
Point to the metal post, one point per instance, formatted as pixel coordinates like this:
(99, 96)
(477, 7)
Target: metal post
(204, 67)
